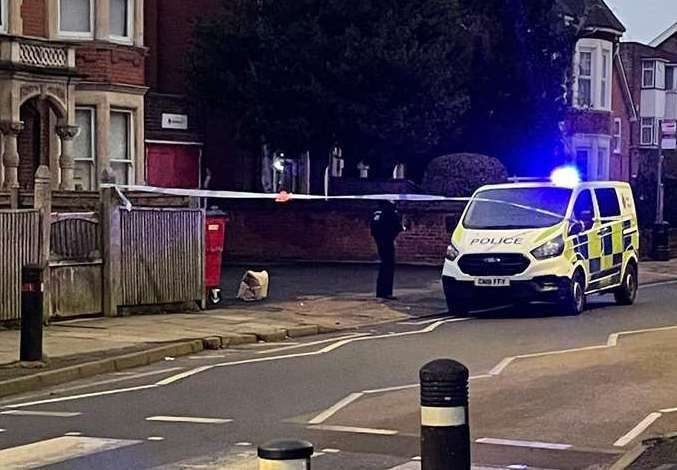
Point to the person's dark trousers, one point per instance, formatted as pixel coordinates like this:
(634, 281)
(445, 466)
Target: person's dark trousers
(386, 272)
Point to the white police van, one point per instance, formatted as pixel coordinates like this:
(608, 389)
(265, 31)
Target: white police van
(523, 242)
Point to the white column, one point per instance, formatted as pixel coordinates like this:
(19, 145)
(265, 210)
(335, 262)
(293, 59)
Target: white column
(66, 160)
(10, 156)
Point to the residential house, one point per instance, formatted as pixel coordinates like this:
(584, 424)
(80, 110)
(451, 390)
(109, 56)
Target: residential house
(71, 91)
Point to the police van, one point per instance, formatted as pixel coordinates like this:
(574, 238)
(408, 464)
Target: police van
(523, 242)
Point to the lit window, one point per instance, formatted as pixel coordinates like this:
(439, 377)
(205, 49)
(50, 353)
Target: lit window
(121, 146)
(85, 150)
(647, 131)
(585, 79)
(648, 74)
(616, 141)
(605, 79)
(3, 15)
(121, 12)
(76, 18)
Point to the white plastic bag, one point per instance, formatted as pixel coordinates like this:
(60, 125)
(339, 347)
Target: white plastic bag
(254, 286)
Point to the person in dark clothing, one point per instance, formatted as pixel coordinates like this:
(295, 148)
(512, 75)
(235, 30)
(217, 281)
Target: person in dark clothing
(386, 225)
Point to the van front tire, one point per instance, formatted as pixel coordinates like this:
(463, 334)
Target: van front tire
(627, 292)
(574, 301)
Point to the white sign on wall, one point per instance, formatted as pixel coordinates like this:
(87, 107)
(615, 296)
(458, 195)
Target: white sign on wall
(174, 121)
(669, 135)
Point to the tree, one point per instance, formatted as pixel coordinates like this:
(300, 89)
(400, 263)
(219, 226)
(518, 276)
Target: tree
(461, 174)
(521, 70)
(387, 80)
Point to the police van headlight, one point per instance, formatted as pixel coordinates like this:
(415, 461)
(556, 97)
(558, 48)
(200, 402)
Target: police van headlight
(452, 253)
(549, 249)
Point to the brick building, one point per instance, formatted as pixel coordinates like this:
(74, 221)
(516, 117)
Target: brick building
(72, 82)
(598, 123)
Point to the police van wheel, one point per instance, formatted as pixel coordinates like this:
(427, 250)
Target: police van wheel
(575, 301)
(627, 292)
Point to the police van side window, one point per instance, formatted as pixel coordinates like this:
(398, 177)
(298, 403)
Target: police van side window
(607, 199)
(583, 210)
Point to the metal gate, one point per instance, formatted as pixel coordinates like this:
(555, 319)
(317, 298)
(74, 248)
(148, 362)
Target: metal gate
(19, 245)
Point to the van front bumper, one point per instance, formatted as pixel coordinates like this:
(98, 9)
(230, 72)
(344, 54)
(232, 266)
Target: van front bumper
(541, 288)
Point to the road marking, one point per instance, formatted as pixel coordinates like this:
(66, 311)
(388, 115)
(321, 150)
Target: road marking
(243, 444)
(432, 320)
(668, 410)
(217, 356)
(313, 343)
(380, 432)
(73, 433)
(51, 414)
(391, 389)
(517, 443)
(637, 430)
(57, 450)
(155, 438)
(182, 375)
(2, 430)
(128, 376)
(188, 419)
(331, 411)
(85, 395)
(330, 451)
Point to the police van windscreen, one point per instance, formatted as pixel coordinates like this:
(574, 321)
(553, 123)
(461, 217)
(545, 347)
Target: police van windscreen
(517, 208)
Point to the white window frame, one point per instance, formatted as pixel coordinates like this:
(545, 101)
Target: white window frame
(652, 126)
(602, 163)
(616, 139)
(649, 65)
(596, 147)
(76, 34)
(589, 78)
(671, 86)
(130, 24)
(131, 144)
(92, 160)
(4, 17)
(604, 95)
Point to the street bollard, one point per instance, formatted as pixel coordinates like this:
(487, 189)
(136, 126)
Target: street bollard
(445, 430)
(31, 313)
(285, 454)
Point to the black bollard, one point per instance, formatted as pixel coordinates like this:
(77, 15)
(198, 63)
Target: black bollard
(445, 430)
(661, 242)
(285, 454)
(31, 313)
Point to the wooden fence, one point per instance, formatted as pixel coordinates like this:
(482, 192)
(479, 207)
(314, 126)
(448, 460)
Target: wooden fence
(19, 245)
(161, 256)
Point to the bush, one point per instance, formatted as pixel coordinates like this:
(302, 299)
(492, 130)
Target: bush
(460, 174)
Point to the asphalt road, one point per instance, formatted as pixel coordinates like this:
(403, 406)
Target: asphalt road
(244, 397)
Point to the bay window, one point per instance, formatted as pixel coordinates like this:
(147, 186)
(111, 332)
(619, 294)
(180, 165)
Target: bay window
(121, 19)
(594, 68)
(605, 79)
(76, 18)
(85, 149)
(121, 145)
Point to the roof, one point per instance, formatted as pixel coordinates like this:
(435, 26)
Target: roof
(547, 184)
(599, 14)
(664, 36)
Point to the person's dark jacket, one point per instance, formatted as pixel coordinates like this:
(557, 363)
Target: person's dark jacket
(386, 224)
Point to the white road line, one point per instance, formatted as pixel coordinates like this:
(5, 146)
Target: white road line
(313, 343)
(432, 320)
(327, 427)
(498, 368)
(2, 430)
(391, 389)
(218, 356)
(518, 443)
(330, 451)
(668, 410)
(243, 444)
(329, 412)
(188, 419)
(50, 414)
(78, 397)
(57, 450)
(73, 433)
(155, 438)
(637, 430)
(183, 375)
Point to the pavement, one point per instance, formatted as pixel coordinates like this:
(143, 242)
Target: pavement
(566, 381)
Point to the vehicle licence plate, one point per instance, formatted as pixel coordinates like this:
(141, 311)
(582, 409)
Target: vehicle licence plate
(492, 282)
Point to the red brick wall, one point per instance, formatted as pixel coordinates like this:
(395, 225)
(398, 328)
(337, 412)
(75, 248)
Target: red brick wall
(321, 231)
(621, 108)
(108, 63)
(588, 122)
(33, 14)
(168, 31)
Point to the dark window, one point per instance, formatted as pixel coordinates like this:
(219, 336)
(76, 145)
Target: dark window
(583, 210)
(608, 203)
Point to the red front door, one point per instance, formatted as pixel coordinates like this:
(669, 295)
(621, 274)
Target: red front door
(174, 166)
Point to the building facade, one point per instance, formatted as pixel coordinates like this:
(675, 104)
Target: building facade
(72, 86)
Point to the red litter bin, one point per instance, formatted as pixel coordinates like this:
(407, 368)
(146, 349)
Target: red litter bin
(214, 241)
